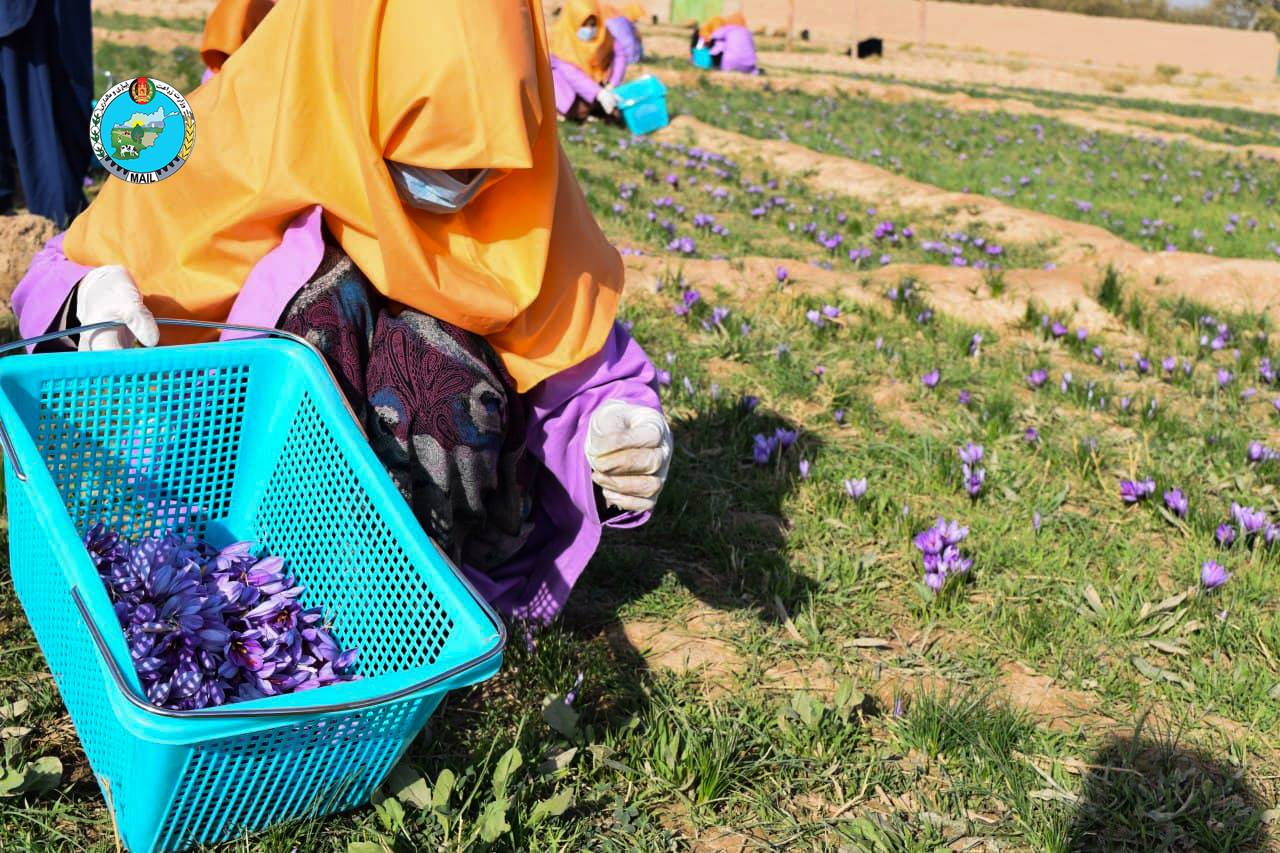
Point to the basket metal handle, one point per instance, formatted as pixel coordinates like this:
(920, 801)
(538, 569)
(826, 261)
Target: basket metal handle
(6, 443)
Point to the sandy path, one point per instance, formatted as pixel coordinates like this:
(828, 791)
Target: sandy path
(156, 38)
(1083, 250)
(157, 8)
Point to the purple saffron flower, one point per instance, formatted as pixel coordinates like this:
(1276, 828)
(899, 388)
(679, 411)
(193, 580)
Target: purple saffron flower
(1177, 502)
(1251, 521)
(786, 437)
(1058, 330)
(1133, 491)
(931, 378)
(970, 453)
(781, 274)
(1082, 334)
(974, 478)
(1169, 365)
(804, 469)
(815, 317)
(749, 402)
(830, 311)
(1224, 377)
(838, 414)
(1031, 436)
(965, 397)
(1097, 354)
(762, 448)
(1225, 534)
(1213, 575)
(664, 377)
(855, 488)
(1037, 377)
(1035, 521)
(975, 344)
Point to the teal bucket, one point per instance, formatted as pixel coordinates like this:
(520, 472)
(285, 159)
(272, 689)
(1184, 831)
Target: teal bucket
(643, 102)
(239, 440)
(702, 58)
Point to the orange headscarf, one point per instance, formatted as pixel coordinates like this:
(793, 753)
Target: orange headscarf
(227, 26)
(308, 111)
(713, 24)
(633, 12)
(594, 57)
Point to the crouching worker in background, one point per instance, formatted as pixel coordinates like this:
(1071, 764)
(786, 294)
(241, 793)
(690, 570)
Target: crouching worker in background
(730, 42)
(410, 213)
(621, 24)
(585, 67)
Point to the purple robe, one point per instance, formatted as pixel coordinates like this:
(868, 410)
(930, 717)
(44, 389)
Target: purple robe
(569, 81)
(626, 40)
(567, 528)
(736, 48)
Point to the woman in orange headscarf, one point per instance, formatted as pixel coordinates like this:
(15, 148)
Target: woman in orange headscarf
(227, 26)
(411, 213)
(585, 67)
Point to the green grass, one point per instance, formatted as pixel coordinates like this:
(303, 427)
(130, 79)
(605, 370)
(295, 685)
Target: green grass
(1154, 194)
(180, 67)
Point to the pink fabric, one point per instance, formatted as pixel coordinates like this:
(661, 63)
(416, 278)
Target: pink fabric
(570, 81)
(626, 40)
(567, 526)
(736, 48)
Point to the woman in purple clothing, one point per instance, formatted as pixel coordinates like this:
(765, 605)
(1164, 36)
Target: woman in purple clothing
(515, 429)
(585, 62)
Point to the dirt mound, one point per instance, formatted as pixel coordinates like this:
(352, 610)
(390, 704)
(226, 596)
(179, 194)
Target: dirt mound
(21, 236)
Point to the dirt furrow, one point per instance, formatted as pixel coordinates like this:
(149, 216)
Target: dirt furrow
(1083, 250)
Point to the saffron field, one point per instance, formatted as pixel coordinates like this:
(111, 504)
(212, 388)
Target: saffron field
(969, 543)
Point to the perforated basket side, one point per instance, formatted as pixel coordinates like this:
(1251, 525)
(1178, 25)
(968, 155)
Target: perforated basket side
(45, 594)
(146, 451)
(317, 514)
(290, 772)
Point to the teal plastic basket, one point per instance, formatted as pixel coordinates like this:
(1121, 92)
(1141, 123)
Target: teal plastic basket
(702, 58)
(643, 102)
(246, 439)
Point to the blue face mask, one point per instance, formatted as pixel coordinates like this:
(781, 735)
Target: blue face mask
(434, 190)
(587, 33)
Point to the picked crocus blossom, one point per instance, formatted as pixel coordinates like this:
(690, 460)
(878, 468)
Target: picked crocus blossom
(1031, 436)
(1177, 502)
(1213, 575)
(1132, 491)
(855, 488)
(1225, 534)
(931, 378)
(971, 453)
(804, 469)
(1037, 377)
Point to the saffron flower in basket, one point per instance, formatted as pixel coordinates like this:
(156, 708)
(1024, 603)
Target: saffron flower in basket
(208, 627)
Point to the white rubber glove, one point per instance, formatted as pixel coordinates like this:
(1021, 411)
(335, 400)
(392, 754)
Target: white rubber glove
(629, 448)
(108, 294)
(608, 100)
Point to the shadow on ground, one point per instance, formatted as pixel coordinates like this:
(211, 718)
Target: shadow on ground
(1149, 793)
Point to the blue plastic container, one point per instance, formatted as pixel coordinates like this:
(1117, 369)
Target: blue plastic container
(247, 439)
(643, 102)
(702, 58)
